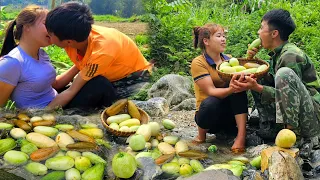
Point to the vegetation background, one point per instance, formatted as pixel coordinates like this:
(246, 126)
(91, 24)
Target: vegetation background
(169, 39)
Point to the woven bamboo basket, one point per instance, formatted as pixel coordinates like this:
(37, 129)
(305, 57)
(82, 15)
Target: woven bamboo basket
(227, 77)
(104, 116)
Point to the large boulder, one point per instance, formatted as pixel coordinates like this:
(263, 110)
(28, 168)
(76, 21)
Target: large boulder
(174, 88)
(155, 106)
(283, 166)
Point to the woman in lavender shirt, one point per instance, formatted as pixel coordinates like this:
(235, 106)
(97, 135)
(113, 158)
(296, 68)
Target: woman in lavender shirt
(26, 74)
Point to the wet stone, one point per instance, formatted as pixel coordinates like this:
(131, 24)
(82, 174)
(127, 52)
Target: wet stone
(256, 150)
(252, 174)
(213, 175)
(253, 139)
(149, 168)
(315, 158)
(254, 118)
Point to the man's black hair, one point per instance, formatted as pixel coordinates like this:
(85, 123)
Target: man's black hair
(280, 19)
(70, 21)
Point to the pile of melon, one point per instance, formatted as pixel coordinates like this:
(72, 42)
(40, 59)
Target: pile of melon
(233, 66)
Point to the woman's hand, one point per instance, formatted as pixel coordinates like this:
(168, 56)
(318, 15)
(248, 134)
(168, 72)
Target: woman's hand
(234, 85)
(247, 83)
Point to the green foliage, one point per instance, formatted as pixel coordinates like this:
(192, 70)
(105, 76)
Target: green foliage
(123, 8)
(142, 95)
(141, 39)
(112, 18)
(9, 12)
(10, 106)
(59, 58)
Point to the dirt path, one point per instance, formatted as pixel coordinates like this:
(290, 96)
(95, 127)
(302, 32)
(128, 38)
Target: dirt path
(129, 28)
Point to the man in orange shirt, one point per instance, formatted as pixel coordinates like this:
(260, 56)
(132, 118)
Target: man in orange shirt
(106, 60)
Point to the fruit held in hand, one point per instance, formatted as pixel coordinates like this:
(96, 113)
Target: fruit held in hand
(286, 138)
(255, 44)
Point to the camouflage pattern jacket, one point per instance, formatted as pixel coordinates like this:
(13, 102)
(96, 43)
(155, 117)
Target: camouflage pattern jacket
(289, 55)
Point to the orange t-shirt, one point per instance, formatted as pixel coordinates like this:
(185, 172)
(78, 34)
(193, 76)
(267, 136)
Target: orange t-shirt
(200, 68)
(110, 53)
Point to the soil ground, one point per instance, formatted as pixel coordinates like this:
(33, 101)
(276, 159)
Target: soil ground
(129, 28)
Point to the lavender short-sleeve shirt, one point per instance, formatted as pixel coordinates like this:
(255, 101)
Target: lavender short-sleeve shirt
(32, 78)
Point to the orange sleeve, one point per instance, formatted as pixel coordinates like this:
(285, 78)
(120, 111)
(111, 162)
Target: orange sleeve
(198, 70)
(96, 65)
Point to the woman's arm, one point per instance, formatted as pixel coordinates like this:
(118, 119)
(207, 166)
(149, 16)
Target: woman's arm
(6, 90)
(66, 77)
(66, 96)
(207, 86)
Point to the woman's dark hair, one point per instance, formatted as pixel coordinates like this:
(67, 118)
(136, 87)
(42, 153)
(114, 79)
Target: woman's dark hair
(201, 32)
(29, 15)
(70, 21)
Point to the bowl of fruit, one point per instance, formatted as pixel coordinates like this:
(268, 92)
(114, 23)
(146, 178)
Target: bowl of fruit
(123, 118)
(233, 66)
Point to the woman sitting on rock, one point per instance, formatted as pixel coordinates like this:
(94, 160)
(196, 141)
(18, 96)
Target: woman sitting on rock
(219, 106)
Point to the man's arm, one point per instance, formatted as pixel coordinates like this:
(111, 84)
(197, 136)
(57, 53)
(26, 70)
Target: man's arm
(250, 83)
(66, 96)
(6, 90)
(66, 77)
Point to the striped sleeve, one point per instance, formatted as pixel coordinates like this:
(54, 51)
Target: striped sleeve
(96, 65)
(198, 70)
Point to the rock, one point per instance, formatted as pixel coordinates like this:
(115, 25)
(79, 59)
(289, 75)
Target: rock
(187, 104)
(174, 88)
(284, 166)
(256, 150)
(157, 106)
(253, 139)
(252, 175)
(267, 153)
(222, 174)
(149, 168)
(315, 158)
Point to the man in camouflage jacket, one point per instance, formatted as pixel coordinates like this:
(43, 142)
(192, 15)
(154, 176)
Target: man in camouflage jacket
(289, 94)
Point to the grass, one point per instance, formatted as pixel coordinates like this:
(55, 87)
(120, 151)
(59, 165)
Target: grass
(111, 18)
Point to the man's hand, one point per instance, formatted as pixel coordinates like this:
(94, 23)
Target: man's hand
(251, 53)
